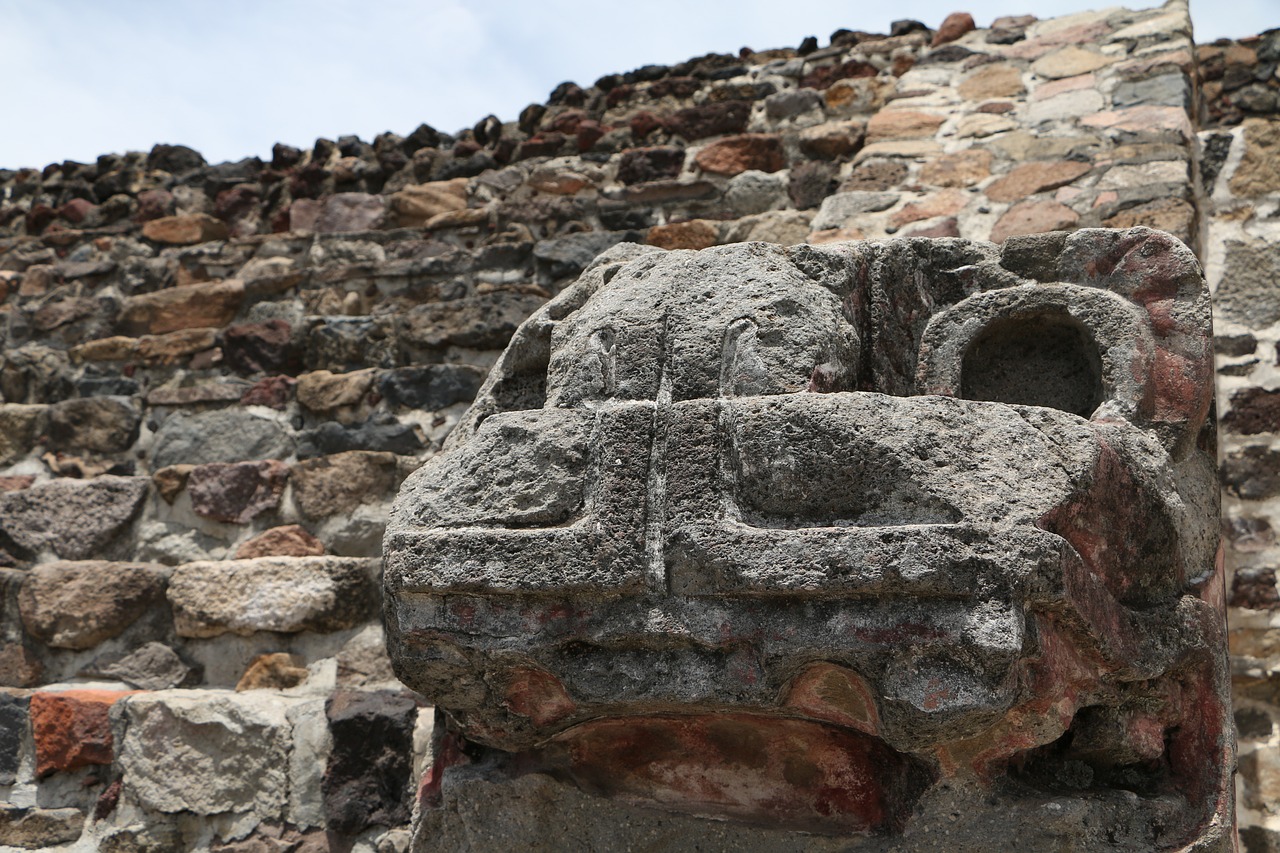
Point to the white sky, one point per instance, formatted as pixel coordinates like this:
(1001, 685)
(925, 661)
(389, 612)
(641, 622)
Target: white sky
(232, 77)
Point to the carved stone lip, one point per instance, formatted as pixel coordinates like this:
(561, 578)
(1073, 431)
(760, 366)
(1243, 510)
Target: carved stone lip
(805, 774)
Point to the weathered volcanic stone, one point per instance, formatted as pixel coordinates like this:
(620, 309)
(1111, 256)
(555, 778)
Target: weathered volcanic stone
(234, 752)
(336, 438)
(324, 391)
(1259, 169)
(1033, 217)
(76, 605)
(71, 728)
(13, 729)
(236, 492)
(738, 154)
(19, 427)
(482, 321)
(696, 234)
(282, 594)
(1031, 178)
(185, 230)
(1247, 293)
(39, 829)
(640, 165)
(289, 540)
(335, 484)
(275, 671)
(151, 666)
(76, 520)
(730, 531)
(188, 306)
(430, 387)
(95, 424)
(368, 780)
(229, 435)
(265, 347)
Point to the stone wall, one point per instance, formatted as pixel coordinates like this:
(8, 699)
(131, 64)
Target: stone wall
(1240, 153)
(214, 377)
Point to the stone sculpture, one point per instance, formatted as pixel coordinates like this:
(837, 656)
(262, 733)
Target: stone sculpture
(900, 545)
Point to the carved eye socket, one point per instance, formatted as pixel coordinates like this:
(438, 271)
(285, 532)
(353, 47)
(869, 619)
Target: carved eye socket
(1046, 360)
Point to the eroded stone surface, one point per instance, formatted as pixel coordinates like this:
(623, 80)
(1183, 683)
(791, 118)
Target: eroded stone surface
(76, 520)
(284, 594)
(71, 729)
(207, 752)
(76, 605)
(941, 523)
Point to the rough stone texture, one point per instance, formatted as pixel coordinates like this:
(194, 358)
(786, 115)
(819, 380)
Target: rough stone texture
(1031, 178)
(324, 391)
(74, 520)
(1247, 292)
(276, 671)
(282, 594)
(19, 427)
(96, 424)
(38, 829)
(206, 753)
(1259, 169)
(192, 306)
(228, 435)
(336, 484)
(470, 231)
(236, 492)
(738, 154)
(912, 515)
(13, 726)
(1033, 217)
(71, 729)
(184, 230)
(76, 605)
(151, 666)
(368, 780)
(289, 540)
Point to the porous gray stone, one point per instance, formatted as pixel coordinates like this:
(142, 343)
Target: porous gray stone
(151, 666)
(227, 435)
(1247, 293)
(838, 209)
(74, 519)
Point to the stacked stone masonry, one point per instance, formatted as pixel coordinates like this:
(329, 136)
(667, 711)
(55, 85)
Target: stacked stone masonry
(214, 378)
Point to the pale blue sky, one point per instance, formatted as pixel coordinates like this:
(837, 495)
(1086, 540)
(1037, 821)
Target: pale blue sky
(230, 78)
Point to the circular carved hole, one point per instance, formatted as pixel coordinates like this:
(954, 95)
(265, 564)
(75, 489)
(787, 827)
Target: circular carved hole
(1043, 360)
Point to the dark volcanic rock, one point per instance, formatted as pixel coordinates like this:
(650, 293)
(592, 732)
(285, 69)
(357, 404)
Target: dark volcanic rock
(432, 386)
(367, 781)
(229, 435)
(333, 437)
(13, 728)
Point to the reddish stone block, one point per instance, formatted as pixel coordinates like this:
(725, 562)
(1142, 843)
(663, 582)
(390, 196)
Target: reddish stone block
(71, 728)
(272, 392)
(955, 25)
(759, 151)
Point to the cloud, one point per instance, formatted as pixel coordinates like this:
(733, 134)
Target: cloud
(229, 79)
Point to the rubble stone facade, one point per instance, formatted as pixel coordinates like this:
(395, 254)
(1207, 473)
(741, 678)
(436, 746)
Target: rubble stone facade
(215, 378)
